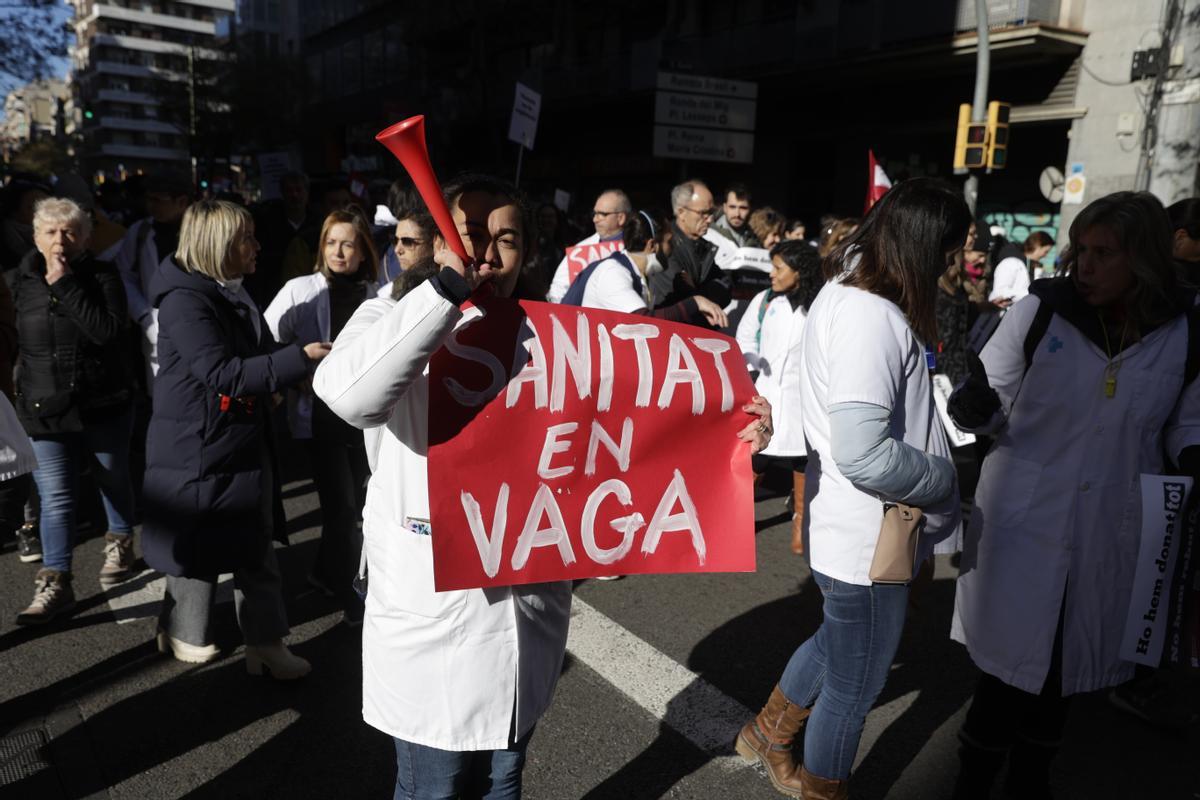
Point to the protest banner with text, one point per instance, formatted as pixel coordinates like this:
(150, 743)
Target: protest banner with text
(571, 443)
(580, 255)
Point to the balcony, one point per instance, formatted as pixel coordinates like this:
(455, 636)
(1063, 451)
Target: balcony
(151, 45)
(219, 5)
(103, 11)
(143, 125)
(145, 152)
(123, 96)
(138, 71)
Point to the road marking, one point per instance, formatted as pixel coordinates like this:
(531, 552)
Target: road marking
(666, 689)
(141, 596)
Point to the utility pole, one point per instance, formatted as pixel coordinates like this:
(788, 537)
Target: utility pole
(192, 110)
(1174, 137)
(979, 103)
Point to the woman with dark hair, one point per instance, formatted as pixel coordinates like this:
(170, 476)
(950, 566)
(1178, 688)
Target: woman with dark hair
(1086, 385)
(315, 308)
(1013, 274)
(457, 678)
(618, 282)
(770, 334)
(874, 439)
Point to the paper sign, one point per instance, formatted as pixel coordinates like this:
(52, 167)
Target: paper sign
(571, 442)
(942, 388)
(580, 255)
(1163, 501)
(527, 105)
(272, 167)
(1073, 189)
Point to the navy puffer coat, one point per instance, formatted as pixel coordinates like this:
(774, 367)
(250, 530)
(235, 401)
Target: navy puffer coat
(210, 481)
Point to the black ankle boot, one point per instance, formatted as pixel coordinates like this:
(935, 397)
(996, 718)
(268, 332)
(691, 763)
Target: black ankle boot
(978, 768)
(1029, 770)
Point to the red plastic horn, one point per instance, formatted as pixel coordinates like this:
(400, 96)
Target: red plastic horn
(406, 140)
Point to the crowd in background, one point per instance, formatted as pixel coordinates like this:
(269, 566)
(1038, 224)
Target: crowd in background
(155, 339)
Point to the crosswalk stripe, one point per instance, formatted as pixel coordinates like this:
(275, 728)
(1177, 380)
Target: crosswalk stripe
(669, 691)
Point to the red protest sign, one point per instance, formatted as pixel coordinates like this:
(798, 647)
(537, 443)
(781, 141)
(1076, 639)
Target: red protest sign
(568, 442)
(580, 255)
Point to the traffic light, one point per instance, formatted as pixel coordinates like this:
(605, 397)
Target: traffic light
(997, 138)
(970, 144)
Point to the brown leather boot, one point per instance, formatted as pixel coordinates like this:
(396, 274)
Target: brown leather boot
(768, 739)
(814, 787)
(798, 513)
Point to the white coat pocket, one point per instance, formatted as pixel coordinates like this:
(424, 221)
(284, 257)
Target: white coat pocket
(401, 569)
(1006, 489)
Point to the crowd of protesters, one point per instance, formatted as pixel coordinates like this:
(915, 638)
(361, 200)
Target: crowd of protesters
(150, 359)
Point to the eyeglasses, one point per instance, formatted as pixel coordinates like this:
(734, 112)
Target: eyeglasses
(598, 213)
(407, 242)
(702, 212)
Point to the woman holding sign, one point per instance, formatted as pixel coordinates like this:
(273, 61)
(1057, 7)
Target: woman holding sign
(1086, 384)
(457, 678)
(874, 440)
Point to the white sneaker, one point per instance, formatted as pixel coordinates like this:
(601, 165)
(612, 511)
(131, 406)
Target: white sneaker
(609, 577)
(280, 663)
(182, 651)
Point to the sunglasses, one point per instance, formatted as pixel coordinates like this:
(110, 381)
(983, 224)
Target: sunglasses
(407, 242)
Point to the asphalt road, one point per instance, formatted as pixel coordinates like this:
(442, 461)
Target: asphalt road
(659, 673)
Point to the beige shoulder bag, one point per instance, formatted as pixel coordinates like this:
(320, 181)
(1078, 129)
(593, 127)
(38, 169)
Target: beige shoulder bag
(896, 551)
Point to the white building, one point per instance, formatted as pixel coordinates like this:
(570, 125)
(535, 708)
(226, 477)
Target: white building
(133, 70)
(32, 111)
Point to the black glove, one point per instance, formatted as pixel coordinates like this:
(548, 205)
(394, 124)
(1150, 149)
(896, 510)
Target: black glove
(974, 403)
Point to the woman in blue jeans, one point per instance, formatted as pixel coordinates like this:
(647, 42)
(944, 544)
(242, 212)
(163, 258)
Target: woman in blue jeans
(874, 437)
(73, 396)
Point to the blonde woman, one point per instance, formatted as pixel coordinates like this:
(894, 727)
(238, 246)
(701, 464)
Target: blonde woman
(768, 226)
(315, 308)
(211, 489)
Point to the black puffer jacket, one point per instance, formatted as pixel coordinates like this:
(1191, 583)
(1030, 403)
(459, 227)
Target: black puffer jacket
(72, 367)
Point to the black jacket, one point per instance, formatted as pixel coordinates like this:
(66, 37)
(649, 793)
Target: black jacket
(72, 365)
(211, 493)
(691, 270)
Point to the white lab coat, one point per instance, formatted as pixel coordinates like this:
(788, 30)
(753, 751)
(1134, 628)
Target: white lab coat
(299, 314)
(774, 353)
(442, 669)
(562, 274)
(1058, 507)
(1010, 280)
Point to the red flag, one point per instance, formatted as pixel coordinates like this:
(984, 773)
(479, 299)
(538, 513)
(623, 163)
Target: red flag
(878, 182)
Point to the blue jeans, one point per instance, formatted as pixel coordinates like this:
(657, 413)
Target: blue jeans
(427, 773)
(842, 668)
(60, 462)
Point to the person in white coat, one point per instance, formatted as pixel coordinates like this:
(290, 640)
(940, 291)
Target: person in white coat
(609, 214)
(1085, 385)
(874, 438)
(1013, 274)
(457, 678)
(315, 308)
(770, 334)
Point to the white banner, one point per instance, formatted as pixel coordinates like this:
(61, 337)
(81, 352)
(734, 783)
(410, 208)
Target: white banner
(941, 397)
(1163, 501)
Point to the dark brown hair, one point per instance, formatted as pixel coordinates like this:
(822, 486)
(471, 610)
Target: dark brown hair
(900, 249)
